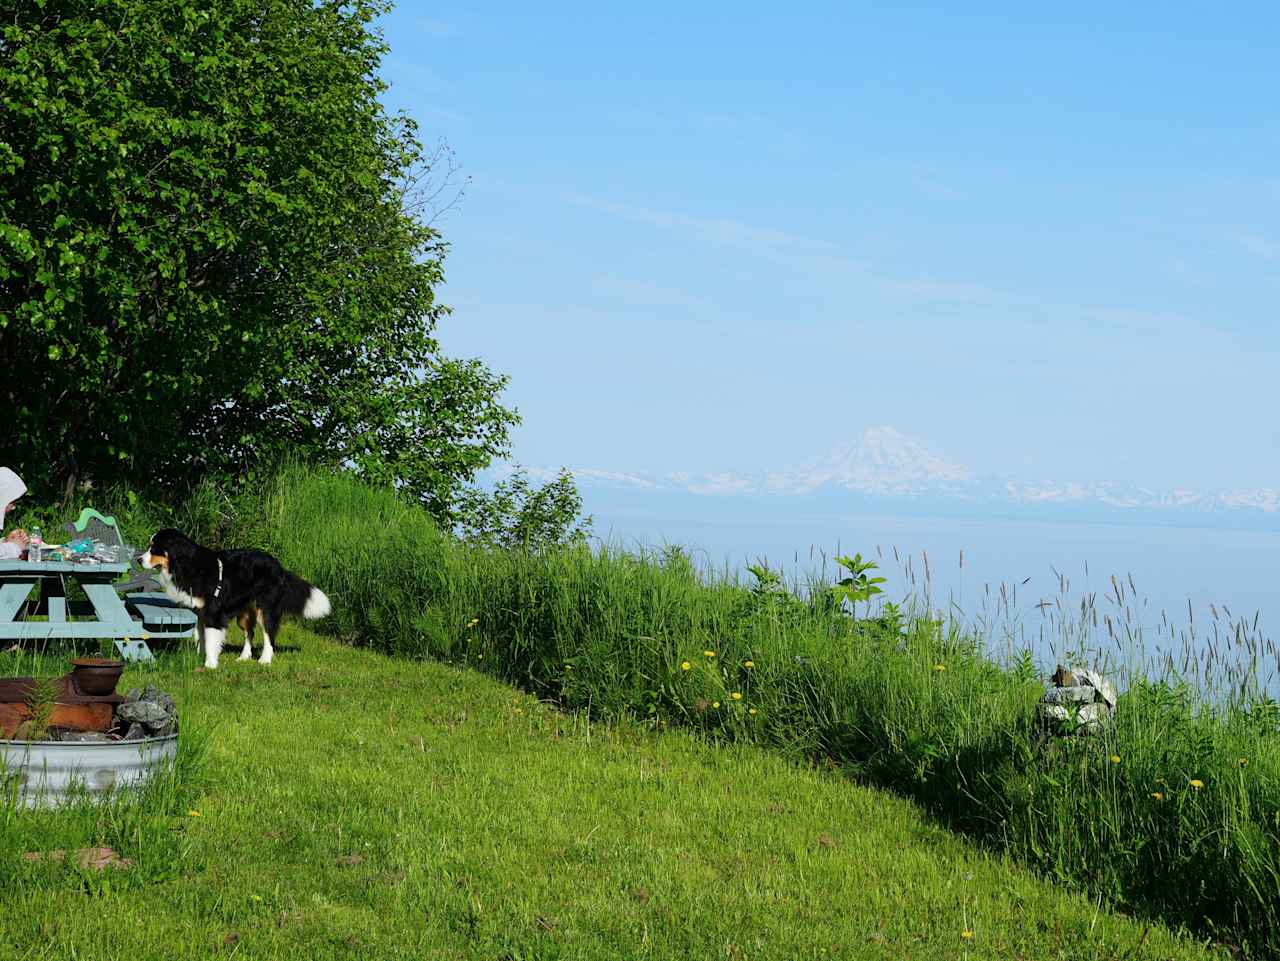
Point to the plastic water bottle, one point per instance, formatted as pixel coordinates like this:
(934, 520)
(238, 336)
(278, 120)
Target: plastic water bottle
(35, 546)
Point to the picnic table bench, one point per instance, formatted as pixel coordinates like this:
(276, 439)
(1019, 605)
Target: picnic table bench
(105, 615)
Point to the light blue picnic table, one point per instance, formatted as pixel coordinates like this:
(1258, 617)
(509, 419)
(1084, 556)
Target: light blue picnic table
(105, 614)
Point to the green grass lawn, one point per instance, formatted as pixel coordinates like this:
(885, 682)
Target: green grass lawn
(346, 805)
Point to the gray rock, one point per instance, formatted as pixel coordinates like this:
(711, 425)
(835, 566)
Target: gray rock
(1087, 718)
(84, 737)
(1081, 702)
(1055, 712)
(1079, 694)
(1092, 718)
(156, 696)
(1106, 690)
(147, 713)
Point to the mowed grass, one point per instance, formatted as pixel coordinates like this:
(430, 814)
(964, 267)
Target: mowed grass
(349, 805)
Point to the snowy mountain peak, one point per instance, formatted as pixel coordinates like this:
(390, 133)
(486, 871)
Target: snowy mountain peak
(881, 460)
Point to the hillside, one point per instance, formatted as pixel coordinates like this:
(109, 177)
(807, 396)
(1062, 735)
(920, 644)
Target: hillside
(351, 805)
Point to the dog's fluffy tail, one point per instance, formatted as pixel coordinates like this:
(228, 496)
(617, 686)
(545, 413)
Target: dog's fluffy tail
(305, 600)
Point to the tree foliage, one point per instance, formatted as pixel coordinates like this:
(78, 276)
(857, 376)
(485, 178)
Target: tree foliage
(213, 254)
(515, 516)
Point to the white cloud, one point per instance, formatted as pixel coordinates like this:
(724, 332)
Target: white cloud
(722, 230)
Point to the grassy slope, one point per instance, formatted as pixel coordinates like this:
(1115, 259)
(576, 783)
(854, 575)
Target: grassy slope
(1180, 787)
(355, 806)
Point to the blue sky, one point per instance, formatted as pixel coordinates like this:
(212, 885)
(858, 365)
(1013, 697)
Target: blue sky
(1044, 243)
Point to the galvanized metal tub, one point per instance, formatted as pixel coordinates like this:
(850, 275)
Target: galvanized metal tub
(48, 773)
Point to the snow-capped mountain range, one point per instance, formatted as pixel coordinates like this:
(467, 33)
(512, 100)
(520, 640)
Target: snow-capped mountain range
(883, 462)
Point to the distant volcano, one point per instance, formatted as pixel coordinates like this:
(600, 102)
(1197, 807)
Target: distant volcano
(881, 461)
(884, 462)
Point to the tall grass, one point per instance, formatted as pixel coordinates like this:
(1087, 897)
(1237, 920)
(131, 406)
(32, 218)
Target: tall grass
(1173, 812)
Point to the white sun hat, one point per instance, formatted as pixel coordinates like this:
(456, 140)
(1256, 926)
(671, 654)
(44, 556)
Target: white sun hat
(11, 488)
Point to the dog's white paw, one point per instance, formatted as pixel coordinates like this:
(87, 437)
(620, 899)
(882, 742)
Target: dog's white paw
(266, 657)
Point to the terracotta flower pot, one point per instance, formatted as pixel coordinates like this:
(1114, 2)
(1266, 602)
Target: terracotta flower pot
(96, 676)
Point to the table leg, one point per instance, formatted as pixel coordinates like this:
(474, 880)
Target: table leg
(13, 594)
(109, 606)
(53, 594)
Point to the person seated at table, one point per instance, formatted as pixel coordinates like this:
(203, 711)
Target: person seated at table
(11, 488)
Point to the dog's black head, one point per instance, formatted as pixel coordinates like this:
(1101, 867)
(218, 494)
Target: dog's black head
(167, 546)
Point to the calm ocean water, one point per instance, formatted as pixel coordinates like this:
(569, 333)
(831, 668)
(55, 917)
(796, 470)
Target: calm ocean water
(1178, 587)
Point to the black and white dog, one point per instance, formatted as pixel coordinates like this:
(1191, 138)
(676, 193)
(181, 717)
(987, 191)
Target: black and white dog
(249, 586)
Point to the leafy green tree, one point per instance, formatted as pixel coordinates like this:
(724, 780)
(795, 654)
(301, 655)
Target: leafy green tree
(517, 516)
(215, 250)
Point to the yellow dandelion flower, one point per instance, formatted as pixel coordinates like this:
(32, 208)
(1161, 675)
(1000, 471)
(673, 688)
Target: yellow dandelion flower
(708, 653)
(255, 897)
(939, 667)
(751, 711)
(748, 664)
(966, 934)
(1115, 759)
(685, 665)
(473, 622)
(1197, 783)
(1158, 795)
(715, 703)
(1244, 762)
(736, 695)
(193, 814)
